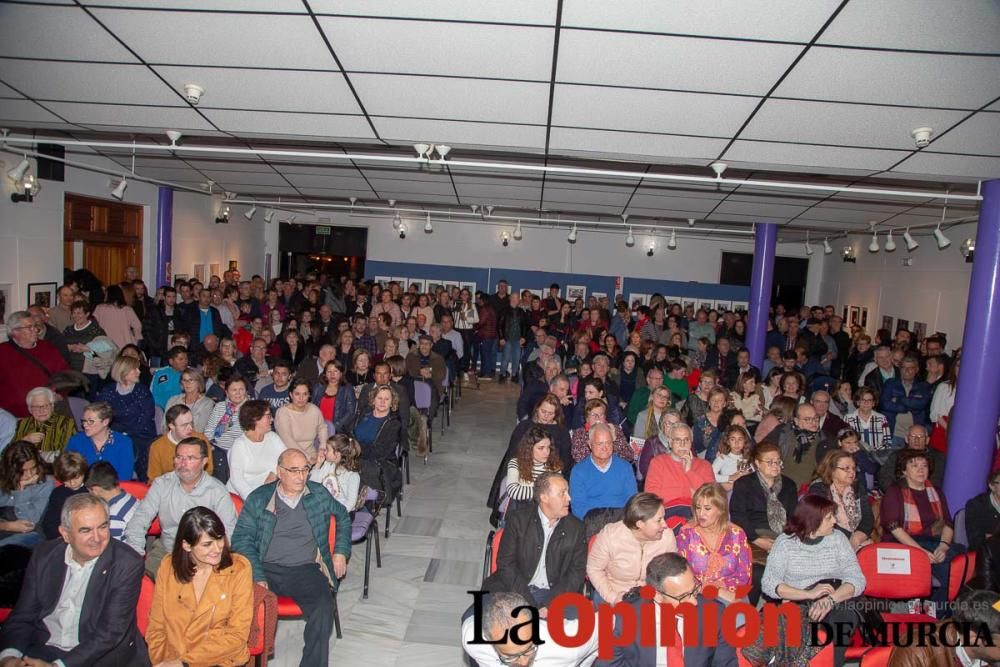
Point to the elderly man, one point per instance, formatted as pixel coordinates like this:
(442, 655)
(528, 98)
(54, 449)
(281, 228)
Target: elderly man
(602, 479)
(536, 388)
(284, 531)
(174, 493)
(180, 426)
(829, 423)
(422, 363)
(602, 371)
(25, 362)
(905, 400)
(559, 387)
(256, 365)
(797, 439)
(77, 605)
(916, 439)
(543, 551)
(47, 332)
(311, 368)
(673, 584)
(876, 373)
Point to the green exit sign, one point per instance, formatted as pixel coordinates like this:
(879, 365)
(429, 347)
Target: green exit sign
(322, 231)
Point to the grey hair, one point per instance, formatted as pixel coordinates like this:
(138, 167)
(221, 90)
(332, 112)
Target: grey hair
(544, 481)
(43, 391)
(77, 502)
(600, 427)
(678, 426)
(669, 412)
(15, 318)
(500, 610)
(553, 361)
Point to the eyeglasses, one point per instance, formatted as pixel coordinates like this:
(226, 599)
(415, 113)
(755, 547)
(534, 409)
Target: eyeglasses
(512, 659)
(188, 459)
(88, 422)
(297, 471)
(686, 596)
(46, 406)
(772, 462)
(809, 419)
(847, 469)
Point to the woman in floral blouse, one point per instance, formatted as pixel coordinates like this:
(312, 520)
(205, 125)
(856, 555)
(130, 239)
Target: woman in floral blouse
(716, 549)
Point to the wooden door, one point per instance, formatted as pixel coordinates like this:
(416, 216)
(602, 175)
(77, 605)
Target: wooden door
(111, 233)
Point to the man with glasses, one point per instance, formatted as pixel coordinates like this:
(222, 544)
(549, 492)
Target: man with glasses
(829, 423)
(26, 362)
(800, 442)
(905, 400)
(671, 578)
(916, 439)
(284, 531)
(174, 493)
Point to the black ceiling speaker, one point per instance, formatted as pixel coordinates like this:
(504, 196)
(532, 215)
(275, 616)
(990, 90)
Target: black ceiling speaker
(51, 170)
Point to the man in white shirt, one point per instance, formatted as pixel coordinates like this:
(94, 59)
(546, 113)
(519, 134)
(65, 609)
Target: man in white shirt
(77, 605)
(497, 623)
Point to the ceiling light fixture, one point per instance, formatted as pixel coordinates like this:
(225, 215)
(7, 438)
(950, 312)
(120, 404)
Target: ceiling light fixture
(874, 246)
(223, 216)
(269, 215)
(354, 200)
(690, 222)
(518, 235)
(922, 136)
(422, 150)
(249, 214)
(443, 150)
(18, 172)
(392, 203)
(848, 254)
(911, 243)
(505, 238)
(489, 211)
(890, 245)
(809, 248)
(629, 240)
(651, 249)
(827, 248)
(402, 231)
(968, 249)
(396, 221)
(27, 189)
(119, 191)
(942, 240)
(672, 243)
(428, 227)
(193, 93)
(572, 234)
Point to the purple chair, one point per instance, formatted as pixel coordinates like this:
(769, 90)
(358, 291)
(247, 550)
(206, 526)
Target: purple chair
(76, 407)
(364, 528)
(422, 402)
(158, 420)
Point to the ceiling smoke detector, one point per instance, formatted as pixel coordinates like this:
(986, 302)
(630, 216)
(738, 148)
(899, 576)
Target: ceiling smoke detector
(193, 93)
(922, 136)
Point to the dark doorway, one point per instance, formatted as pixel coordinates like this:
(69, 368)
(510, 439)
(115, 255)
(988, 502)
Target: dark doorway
(788, 286)
(338, 251)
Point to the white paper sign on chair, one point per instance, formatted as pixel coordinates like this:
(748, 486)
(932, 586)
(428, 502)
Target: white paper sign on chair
(892, 561)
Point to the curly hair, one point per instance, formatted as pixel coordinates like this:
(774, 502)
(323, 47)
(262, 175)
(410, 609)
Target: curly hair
(526, 449)
(12, 463)
(378, 389)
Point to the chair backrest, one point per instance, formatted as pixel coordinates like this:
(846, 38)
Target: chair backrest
(76, 406)
(331, 430)
(421, 395)
(136, 489)
(144, 604)
(495, 550)
(895, 571)
(237, 502)
(961, 534)
(158, 419)
(333, 537)
(961, 570)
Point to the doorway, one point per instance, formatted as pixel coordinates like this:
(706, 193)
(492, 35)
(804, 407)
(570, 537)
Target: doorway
(788, 285)
(102, 236)
(337, 251)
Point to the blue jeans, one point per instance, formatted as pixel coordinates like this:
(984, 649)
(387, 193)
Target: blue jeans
(28, 540)
(488, 350)
(510, 354)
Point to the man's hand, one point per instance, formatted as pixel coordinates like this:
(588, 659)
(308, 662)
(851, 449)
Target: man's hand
(34, 438)
(35, 662)
(339, 565)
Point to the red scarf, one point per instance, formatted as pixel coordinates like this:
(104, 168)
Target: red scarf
(911, 515)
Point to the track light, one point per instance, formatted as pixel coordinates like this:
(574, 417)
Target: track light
(249, 214)
(428, 227)
(651, 249)
(518, 235)
(848, 254)
(911, 243)
(874, 246)
(489, 211)
(572, 234)
(672, 242)
(119, 191)
(269, 215)
(223, 217)
(942, 240)
(402, 231)
(809, 248)
(890, 245)
(422, 150)
(690, 222)
(443, 150)
(18, 172)
(353, 200)
(968, 249)
(505, 239)
(28, 189)
(629, 240)
(396, 221)
(827, 248)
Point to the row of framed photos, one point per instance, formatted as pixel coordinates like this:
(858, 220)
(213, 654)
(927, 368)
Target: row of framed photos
(720, 305)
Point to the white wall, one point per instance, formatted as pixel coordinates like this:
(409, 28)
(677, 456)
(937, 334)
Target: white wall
(934, 290)
(198, 240)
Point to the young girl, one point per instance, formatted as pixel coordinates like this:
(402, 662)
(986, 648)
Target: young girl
(338, 471)
(733, 460)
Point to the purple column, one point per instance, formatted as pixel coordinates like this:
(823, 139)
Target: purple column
(164, 237)
(760, 290)
(972, 436)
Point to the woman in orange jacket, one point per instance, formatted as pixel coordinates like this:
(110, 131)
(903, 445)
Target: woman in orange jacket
(203, 601)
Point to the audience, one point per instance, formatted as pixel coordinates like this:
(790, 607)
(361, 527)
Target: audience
(224, 427)
(25, 362)
(253, 457)
(658, 443)
(300, 423)
(595, 412)
(535, 456)
(43, 428)
(334, 397)
(733, 460)
(715, 548)
(192, 396)
(676, 475)
(378, 430)
(916, 440)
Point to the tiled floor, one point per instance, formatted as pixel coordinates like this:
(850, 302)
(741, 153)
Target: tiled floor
(434, 554)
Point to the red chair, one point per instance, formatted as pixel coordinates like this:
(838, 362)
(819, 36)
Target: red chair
(492, 549)
(5, 614)
(286, 605)
(139, 490)
(263, 647)
(144, 605)
(877, 657)
(962, 569)
(237, 502)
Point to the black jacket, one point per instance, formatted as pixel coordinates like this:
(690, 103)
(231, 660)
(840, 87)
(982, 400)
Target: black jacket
(247, 367)
(404, 407)
(713, 360)
(867, 524)
(378, 469)
(192, 322)
(521, 547)
(981, 519)
(157, 328)
(748, 505)
(108, 633)
(509, 314)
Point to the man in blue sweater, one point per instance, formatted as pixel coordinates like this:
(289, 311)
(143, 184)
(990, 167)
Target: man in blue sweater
(602, 479)
(167, 381)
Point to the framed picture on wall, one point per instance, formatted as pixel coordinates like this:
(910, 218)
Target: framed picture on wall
(919, 331)
(234, 265)
(213, 270)
(449, 286)
(402, 282)
(382, 280)
(599, 296)
(433, 287)
(887, 322)
(741, 306)
(723, 305)
(574, 292)
(706, 306)
(864, 317)
(418, 283)
(198, 271)
(636, 300)
(6, 307)
(690, 303)
(537, 292)
(42, 294)
(902, 324)
(854, 318)
(469, 286)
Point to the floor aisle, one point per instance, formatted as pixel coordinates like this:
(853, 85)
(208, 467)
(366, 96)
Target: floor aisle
(434, 554)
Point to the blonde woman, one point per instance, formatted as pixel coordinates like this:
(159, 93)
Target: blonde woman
(648, 420)
(716, 549)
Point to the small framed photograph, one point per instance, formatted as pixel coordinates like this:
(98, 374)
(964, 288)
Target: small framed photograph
(864, 317)
(213, 270)
(741, 307)
(537, 292)
(901, 324)
(574, 292)
(636, 300)
(419, 284)
(198, 271)
(854, 318)
(6, 307)
(723, 305)
(433, 287)
(887, 322)
(707, 306)
(402, 282)
(469, 286)
(234, 265)
(382, 280)
(690, 303)
(919, 331)
(599, 296)
(42, 294)
(450, 286)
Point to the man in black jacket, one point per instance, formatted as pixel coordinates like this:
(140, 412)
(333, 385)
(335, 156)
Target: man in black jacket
(161, 321)
(85, 568)
(513, 327)
(723, 359)
(543, 551)
(204, 309)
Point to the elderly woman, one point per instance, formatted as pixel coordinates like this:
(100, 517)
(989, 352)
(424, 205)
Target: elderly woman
(647, 422)
(621, 551)
(915, 513)
(706, 427)
(659, 443)
(872, 426)
(24, 494)
(814, 565)
(595, 412)
(535, 455)
(361, 370)
(335, 397)
(761, 503)
(839, 481)
(132, 405)
(677, 475)
(716, 549)
(224, 426)
(44, 429)
(299, 423)
(193, 397)
(253, 458)
(203, 601)
(81, 331)
(99, 442)
(377, 429)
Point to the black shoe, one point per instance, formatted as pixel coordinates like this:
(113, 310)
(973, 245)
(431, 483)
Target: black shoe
(503, 379)
(514, 379)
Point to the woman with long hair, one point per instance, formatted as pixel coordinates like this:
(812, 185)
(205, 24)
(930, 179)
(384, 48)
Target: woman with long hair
(299, 423)
(117, 319)
(293, 348)
(338, 469)
(838, 480)
(733, 460)
(24, 494)
(716, 548)
(748, 396)
(335, 397)
(706, 427)
(535, 455)
(361, 369)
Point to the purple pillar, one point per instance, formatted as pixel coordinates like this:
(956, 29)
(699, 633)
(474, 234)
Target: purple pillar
(760, 290)
(972, 436)
(164, 237)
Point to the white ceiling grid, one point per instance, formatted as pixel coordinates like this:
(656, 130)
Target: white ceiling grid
(826, 90)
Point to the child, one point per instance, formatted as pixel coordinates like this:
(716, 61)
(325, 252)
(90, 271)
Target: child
(733, 460)
(338, 471)
(70, 468)
(102, 481)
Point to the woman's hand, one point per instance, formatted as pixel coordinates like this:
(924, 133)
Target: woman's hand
(820, 608)
(859, 539)
(34, 438)
(821, 591)
(169, 663)
(938, 555)
(17, 526)
(764, 543)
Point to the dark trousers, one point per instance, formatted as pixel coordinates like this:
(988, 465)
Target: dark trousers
(488, 351)
(310, 589)
(220, 464)
(940, 571)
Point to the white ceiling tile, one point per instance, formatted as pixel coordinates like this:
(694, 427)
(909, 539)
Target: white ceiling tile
(450, 49)
(680, 63)
(878, 77)
(234, 40)
(844, 124)
(650, 111)
(410, 173)
(336, 193)
(925, 25)
(762, 209)
(777, 19)
(946, 165)
(452, 99)
(290, 124)
(435, 198)
(329, 181)
(538, 12)
(978, 135)
(112, 114)
(275, 6)
(25, 111)
(266, 90)
(631, 145)
(644, 200)
(994, 107)
(781, 170)
(230, 165)
(458, 134)
(88, 82)
(807, 157)
(489, 194)
(581, 207)
(385, 187)
(172, 175)
(228, 178)
(58, 33)
(603, 197)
